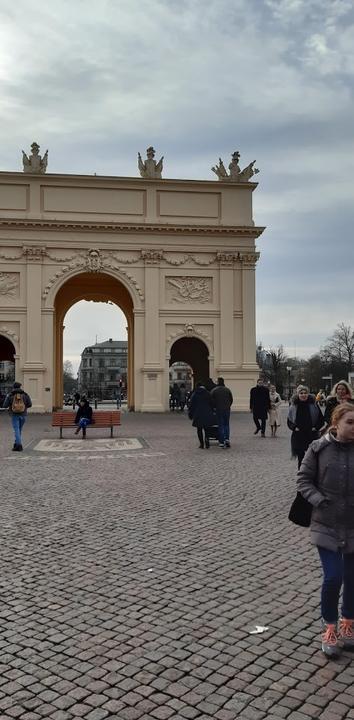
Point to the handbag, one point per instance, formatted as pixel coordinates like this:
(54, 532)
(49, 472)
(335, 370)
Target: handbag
(300, 511)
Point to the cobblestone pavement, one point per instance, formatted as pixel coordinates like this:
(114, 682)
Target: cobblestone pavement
(130, 581)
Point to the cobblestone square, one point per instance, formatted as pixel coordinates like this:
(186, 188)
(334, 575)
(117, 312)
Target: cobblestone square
(131, 581)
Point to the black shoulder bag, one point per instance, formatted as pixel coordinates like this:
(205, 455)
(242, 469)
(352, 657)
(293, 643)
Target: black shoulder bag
(301, 510)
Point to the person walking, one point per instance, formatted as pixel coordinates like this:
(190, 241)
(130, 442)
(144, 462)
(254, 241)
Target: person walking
(201, 413)
(221, 398)
(304, 420)
(17, 401)
(274, 412)
(83, 416)
(340, 393)
(260, 406)
(182, 396)
(326, 480)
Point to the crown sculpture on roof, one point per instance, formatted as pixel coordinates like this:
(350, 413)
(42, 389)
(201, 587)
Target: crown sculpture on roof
(35, 163)
(235, 174)
(149, 168)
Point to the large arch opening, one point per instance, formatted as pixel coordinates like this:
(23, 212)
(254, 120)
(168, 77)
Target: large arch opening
(98, 287)
(7, 366)
(195, 354)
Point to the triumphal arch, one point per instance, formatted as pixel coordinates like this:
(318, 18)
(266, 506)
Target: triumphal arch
(177, 256)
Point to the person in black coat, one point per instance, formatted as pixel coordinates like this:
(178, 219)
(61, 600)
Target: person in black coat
(83, 416)
(304, 420)
(201, 412)
(259, 406)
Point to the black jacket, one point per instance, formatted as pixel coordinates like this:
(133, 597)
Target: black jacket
(260, 401)
(200, 408)
(331, 403)
(221, 398)
(84, 411)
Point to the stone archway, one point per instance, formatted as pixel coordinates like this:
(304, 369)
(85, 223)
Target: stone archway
(99, 287)
(195, 353)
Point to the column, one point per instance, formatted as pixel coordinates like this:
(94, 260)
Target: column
(152, 369)
(249, 311)
(33, 370)
(226, 282)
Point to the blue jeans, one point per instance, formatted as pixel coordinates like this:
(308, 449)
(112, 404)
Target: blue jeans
(338, 570)
(18, 422)
(223, 420)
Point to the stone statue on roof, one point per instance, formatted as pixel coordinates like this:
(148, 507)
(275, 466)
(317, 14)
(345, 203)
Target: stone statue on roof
(149, 168)
(235, 173)
(35, 163)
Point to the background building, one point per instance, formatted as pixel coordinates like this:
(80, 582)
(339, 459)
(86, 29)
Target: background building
(102, 367)
(180, 373)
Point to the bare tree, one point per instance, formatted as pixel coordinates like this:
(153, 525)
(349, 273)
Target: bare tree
(339, 349)
(277, 362)
(68, 376)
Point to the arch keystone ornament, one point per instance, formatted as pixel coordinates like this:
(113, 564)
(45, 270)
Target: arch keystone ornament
(177, 256)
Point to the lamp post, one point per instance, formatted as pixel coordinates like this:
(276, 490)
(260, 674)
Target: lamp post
(328, 387)
(289, 369)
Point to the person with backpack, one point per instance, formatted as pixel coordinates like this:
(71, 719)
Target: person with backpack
(17, 401)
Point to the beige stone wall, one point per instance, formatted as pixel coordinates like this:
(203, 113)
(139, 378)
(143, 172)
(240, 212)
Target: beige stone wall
(182, 252)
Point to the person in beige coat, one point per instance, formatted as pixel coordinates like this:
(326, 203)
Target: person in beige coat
(274, 412)
(326, 480)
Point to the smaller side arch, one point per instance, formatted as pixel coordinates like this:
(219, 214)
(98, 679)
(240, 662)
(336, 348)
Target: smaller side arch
(11, 337)
(193, 351)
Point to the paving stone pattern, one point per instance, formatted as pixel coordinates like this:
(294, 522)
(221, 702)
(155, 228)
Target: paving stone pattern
(130, 582)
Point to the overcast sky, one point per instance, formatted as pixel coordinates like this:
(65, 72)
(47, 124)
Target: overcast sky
(97, 81)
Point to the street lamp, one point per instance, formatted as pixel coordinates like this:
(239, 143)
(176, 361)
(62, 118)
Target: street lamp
(327, 387)
(289, 369)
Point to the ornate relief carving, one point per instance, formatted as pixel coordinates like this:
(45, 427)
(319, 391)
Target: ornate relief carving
(3, 256)
(94, 261)
(225, 258)
(78, 263)
(204, 260)
(192, 331)
(152, 257)
(5, 331)
(36, 253)
(126, 258)
(249, 259)
(177, 259)
(90, 261)
(61, 258)
(133, 282)
(189, 289)
(9, 284)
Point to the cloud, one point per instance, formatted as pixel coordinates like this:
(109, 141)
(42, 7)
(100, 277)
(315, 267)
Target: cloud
(199, 79)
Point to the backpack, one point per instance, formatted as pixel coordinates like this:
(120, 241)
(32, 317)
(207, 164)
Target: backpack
(18, 403)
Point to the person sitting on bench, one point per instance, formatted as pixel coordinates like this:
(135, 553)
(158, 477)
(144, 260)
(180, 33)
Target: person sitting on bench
(83, 416)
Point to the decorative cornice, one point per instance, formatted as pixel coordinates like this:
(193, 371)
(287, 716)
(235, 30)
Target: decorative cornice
(146, 228)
